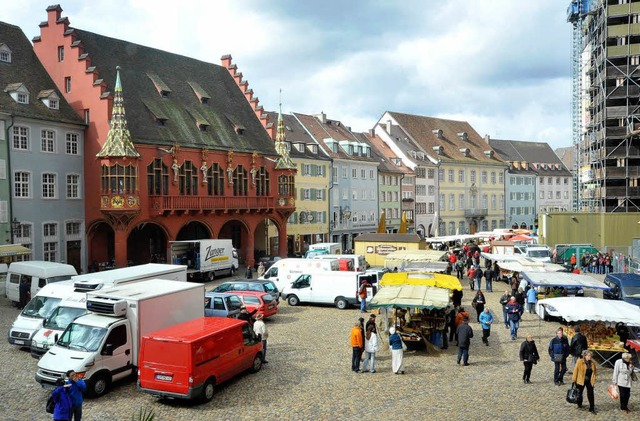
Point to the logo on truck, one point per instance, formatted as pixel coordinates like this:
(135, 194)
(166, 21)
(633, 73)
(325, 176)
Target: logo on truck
(215, 254)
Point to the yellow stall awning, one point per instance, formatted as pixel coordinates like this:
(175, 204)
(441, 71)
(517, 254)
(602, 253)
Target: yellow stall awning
(14, 250)
(414, 296)
(422, 279)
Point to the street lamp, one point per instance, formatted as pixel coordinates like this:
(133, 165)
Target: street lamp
(15, 225)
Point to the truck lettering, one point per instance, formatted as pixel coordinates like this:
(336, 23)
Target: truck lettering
(214, 252)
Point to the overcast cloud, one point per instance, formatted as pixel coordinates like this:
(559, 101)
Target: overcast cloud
(502, 65)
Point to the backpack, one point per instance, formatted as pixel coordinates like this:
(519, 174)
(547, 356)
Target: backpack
(51, 405)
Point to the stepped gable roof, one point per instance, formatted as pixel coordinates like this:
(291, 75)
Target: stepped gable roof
(386, 166)
(159, 85)
(385, 153)
(297, 134)
(534, 154)
(331, 130)
(422, 128)
(26, 70)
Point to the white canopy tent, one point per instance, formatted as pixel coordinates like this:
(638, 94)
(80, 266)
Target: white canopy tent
(563, 279)
(589, 309)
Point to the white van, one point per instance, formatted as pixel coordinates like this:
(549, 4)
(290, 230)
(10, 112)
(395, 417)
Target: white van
(37, 274)
(338, 288)
(70, 308)
(359, 262)
(4, 268)
(285, 271)
(39, 308)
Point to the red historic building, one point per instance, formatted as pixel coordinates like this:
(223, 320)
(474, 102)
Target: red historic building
(189, 159)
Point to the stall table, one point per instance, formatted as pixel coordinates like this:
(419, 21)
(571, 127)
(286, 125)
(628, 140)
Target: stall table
(608, 355)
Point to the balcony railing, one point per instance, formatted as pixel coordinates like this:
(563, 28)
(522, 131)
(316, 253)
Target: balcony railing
(475, 213)
(169, 204)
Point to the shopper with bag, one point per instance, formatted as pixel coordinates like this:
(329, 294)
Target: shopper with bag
(559, 351)
(622, 377)
(397, 347)
(584, 375)
(529, 356)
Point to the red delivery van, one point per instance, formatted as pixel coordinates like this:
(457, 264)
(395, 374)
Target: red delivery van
(189, 359)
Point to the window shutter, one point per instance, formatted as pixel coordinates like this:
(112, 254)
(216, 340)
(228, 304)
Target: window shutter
(313, 194)
(3, 169)
(4, 215)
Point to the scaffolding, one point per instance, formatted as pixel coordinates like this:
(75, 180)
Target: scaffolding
(606, 104)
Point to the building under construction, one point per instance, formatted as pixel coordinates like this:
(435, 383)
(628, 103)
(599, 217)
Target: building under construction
(606, 104)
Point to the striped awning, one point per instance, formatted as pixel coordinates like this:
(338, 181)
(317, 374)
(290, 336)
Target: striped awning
(14, 250)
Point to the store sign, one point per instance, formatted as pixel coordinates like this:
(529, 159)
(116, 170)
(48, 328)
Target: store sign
(384, 249)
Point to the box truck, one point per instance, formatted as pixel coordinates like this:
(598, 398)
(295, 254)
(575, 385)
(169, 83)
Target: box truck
(359, 262)
(205, 259)
(74, 305)
(338, 288)
(102, 346)
(189, 360)
(323, 248)
(36, 274)
(285, 271)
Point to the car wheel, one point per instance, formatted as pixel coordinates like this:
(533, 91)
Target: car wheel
(211, 275)
(292, 300)
(207, 391)
(342, 303)
(257, 364)
(98, 385)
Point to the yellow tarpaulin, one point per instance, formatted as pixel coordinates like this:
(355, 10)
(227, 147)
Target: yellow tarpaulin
(421, 279)
(14, 250)
(415, 296)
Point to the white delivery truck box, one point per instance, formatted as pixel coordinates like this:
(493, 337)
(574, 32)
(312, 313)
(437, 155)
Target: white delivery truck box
(337, 288)
(359, 262)
(37, 274)
(285, 271)
(102, 346)
(205, 259)
(323, 248)
(39, 308)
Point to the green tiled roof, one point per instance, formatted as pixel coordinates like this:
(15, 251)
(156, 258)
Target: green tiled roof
(25, 69)
(226, 109)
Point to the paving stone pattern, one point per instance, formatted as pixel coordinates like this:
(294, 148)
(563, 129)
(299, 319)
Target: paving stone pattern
(309, 377)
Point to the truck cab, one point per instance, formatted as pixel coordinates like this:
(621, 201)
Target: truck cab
(624, 286)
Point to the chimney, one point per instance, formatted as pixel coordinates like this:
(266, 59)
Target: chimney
(487, 138)
(322, 117)
(225, 61)
(438, 133)
(388, 126)
(372, 132)
(463, 136)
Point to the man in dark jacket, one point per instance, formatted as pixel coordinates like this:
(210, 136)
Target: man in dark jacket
(578, 344)
(456, 297)
(488, 276)
(246, 316)
(465, 333)
(559, 351)
(513, 314)
(504, 300)
(529, 356)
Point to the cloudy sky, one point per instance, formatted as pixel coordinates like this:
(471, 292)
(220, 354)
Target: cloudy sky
(502, 65)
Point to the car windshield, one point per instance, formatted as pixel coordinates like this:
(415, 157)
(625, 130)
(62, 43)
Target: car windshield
(270, 287)
(62, 316)
(539, 253)
(82, 337)
(40, 307)
(222, 288)
(631, 290)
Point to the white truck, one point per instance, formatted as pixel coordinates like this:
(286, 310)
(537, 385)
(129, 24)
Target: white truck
(323, 248)
(205, 259)
(359, 262)
(73, 304)
(102, 346)
(337, 288)
(285, 271)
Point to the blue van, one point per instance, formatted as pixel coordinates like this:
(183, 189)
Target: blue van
(624, 286)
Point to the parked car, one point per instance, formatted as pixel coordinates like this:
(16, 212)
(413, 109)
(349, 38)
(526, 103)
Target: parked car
(219, 304)
(268, 261)
(249, 285)
(265, 303)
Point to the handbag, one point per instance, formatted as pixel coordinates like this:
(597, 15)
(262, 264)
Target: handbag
(573, 393)
(557, 358)
(634, 376)
(404, 346)
(613, 391)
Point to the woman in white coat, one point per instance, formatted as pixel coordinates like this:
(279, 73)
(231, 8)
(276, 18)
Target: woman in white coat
(371, 347)
(622, 371)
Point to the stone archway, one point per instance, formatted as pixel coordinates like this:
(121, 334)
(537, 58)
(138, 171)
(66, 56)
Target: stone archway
(193, 230)
(238, 232)
(266, 238)
(101, 244)
(147, 243)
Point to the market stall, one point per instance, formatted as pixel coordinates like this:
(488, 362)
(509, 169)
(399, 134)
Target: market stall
(416, 260)
(416, 310)
(597, 318)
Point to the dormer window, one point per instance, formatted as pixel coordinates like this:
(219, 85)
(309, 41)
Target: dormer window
(18, 92)
(202, 95)
(53, 104)
(438, 149)
(5, 53)
(396, 161)
(163, 88)
(49, 98)
(299, 147)
(334, 147)
(464, 151)
(313, 148)
(204, 100)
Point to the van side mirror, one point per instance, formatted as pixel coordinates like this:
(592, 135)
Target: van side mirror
(55, 338)
(108, 349)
